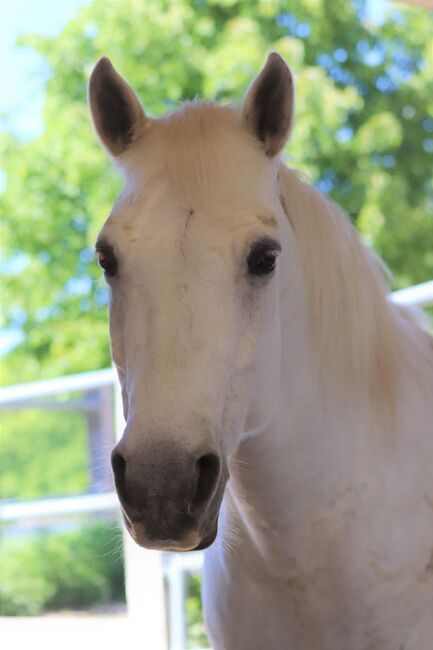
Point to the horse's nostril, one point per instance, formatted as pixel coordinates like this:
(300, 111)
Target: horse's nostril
(208, 472)
(118, 463)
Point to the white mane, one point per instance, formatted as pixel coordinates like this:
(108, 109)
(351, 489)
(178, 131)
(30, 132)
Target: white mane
(360, 335)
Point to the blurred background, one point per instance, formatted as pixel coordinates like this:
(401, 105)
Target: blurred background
(363, 135)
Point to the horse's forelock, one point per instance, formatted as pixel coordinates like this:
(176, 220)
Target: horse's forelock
(201, 147)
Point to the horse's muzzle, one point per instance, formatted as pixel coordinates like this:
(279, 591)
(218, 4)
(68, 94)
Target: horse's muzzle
(170, 496)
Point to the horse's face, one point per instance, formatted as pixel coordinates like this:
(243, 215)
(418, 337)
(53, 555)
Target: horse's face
(190, 254)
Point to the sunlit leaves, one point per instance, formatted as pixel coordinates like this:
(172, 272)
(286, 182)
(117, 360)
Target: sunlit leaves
(380, 133)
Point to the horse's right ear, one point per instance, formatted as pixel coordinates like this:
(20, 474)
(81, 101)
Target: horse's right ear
(116, 110)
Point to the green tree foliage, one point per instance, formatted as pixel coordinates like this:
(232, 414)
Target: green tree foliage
(364, 134)
(197, 637)
(74, 569)
(42, 454)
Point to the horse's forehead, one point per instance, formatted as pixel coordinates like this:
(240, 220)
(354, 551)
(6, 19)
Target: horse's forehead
(198, 167)
(190, 220)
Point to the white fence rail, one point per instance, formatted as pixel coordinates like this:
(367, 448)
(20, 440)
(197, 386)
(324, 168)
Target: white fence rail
(145, 570)
(420, 295)
(58, 507)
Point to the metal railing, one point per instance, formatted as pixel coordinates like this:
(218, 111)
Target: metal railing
(155, 567)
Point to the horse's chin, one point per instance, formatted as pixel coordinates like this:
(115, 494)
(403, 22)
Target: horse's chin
(209, 539)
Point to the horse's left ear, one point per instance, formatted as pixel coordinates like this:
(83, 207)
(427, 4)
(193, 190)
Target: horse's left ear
(268, 105)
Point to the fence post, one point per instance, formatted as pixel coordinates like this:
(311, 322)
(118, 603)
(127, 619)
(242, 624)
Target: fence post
(176, 598)
(144, 577)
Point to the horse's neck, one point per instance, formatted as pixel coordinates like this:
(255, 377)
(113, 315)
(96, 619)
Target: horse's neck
(273, 469)
(317, 443)
(316, 447)
(268, 461)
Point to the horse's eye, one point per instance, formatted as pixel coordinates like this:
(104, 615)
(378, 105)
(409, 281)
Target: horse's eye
(262, 258)
(107, 261)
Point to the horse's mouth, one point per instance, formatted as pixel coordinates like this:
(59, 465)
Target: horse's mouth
(161, 525)
(192, 541)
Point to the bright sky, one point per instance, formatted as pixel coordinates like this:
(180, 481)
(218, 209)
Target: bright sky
(20, 68)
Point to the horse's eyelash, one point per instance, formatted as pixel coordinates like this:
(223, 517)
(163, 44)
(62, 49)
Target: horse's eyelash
(269, 243)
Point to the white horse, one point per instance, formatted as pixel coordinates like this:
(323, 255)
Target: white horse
(264, 368)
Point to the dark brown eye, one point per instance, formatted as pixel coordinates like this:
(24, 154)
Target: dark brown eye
(262, 258)
(107, 260)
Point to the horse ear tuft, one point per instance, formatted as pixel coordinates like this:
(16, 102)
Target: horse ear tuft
(268, 105)
(116, 111)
